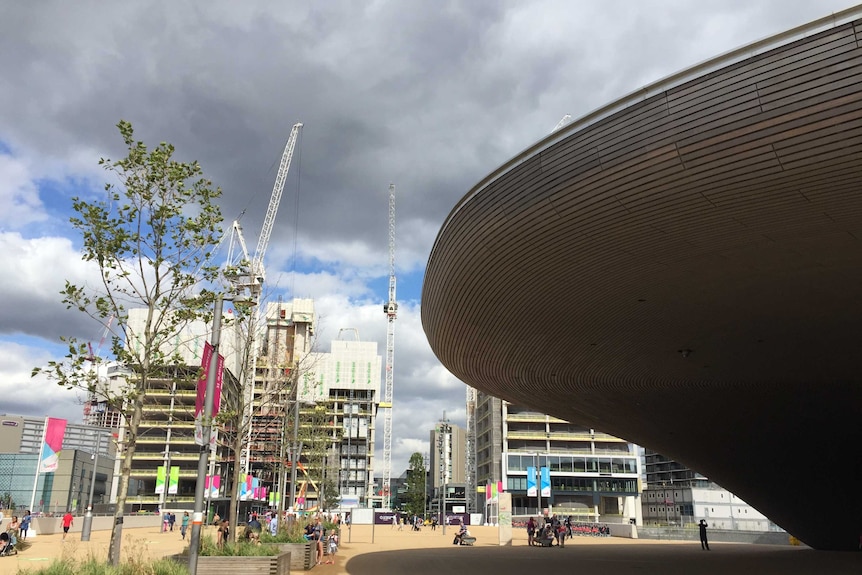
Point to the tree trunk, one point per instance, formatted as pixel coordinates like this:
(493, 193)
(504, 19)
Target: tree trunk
(125, 472)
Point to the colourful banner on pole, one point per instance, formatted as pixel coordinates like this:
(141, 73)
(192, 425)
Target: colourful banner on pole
(244, 487)
(160, 479)
(173, 484)
(532, 491)
(200, 398)
(212, 483)
(546, 482)
(55, 429)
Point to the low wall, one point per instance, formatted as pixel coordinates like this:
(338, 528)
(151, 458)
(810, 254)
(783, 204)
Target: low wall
(626, 530)
(50, 525)
(724, 536)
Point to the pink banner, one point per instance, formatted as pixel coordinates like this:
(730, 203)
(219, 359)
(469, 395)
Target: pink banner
(200, 397)
(202, 382)
(55, 429)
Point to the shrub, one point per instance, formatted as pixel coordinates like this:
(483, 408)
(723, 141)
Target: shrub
(291, 533)
(238, 549)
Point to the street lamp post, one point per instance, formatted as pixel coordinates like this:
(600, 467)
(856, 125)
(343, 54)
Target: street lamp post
(87, 526)
(197, 517)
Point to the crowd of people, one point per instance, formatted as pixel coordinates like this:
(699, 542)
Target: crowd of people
(553, 531)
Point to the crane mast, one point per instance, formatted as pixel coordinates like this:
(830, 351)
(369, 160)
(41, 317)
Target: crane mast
(391, 310)
(249, 274)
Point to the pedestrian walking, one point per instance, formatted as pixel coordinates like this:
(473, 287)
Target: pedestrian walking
(184, 525)
(68, 520)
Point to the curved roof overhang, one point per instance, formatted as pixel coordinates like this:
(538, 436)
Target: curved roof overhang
(683, 269)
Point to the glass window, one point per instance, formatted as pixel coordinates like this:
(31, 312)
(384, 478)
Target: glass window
(604, 464)
(516, 484)
(514, 462)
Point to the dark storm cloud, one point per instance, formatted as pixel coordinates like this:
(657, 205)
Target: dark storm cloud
(366, 84)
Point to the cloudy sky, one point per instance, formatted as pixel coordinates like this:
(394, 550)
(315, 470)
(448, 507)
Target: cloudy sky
(430, 96)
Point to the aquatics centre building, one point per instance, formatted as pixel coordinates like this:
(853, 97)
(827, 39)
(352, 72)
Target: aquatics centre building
(683, 268)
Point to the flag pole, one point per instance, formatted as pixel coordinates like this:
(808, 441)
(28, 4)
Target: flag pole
(38, 465)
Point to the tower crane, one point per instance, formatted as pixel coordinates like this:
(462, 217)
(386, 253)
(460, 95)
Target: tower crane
(565, 120)
(249, 274)
(391, 310)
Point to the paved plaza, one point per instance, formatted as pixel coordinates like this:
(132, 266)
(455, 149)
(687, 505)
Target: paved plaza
(387, 551)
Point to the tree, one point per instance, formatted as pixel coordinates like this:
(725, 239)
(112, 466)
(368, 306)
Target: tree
(270, 384)
(319, 436)
(152, 239)
(416, 485)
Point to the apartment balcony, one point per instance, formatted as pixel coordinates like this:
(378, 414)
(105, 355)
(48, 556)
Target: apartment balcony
(176, 441)
(529, 417)
(550, 435)
(165, 394)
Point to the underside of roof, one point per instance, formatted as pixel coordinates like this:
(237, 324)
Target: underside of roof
(685, 273)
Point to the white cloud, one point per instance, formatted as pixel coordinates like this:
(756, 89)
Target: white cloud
(34, 274)
(37, 396)
(20, 204)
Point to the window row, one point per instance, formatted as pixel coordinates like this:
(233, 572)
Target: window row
(573, 464)
(568, 484)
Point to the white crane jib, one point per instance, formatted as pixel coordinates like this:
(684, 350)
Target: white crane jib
(253, 266)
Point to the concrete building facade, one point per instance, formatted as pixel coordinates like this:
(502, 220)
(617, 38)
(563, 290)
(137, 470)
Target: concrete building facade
(592, 476)
(347, 382)
(447, 468)
(166, 433)
(68, 487)
(677, 495)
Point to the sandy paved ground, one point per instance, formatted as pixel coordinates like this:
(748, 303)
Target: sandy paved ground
(387, 551)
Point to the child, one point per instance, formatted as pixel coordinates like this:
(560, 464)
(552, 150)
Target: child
(333, 547)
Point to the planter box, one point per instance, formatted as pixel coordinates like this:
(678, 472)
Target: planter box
(302, 555)
(275, 565)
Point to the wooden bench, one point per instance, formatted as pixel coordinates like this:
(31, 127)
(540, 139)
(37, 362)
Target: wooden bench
(274, 565)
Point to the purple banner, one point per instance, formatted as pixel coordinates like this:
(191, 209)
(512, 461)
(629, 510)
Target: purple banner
(385, 517)
(457, 519)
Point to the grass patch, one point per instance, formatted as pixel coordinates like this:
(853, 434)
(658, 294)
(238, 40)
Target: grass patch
(93, 566)
(136, 562)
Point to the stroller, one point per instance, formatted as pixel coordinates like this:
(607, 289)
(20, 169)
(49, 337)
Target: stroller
(7, 544)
